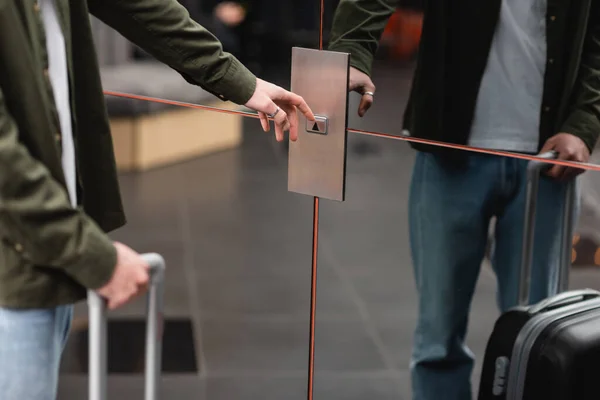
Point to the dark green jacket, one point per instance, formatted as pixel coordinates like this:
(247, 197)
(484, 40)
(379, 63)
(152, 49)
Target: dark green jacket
(455, 44)
(50, 252)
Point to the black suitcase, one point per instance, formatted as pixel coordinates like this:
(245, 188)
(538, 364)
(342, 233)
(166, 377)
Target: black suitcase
(550, 350)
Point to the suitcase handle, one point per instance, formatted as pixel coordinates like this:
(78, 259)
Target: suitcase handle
(564, 299)
(98, 368)
(534, 170)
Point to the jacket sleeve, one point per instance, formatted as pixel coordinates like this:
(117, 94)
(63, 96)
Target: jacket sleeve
(357, 29)
(38, 221)
(583, 117)
(165, 30)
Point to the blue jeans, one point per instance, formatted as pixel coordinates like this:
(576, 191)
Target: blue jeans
(450, 212)
(31, 344)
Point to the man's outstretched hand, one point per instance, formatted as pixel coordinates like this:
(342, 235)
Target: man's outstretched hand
(268, 98)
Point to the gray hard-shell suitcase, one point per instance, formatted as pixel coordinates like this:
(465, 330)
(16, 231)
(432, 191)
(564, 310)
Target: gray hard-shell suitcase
(98, 335)
(550, 350)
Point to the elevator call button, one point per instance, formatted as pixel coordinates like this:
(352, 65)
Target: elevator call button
(319, 125)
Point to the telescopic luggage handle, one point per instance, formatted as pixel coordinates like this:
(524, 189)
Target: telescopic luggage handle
(534, 170)
(98, 370)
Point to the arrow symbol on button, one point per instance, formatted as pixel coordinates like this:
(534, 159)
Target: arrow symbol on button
(319, 125)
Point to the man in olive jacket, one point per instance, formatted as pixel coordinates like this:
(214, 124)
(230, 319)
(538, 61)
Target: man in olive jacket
(512, 75)
(59, 192)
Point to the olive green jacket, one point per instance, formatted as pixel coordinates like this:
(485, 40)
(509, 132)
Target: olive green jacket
(455, 44)
(49, 251)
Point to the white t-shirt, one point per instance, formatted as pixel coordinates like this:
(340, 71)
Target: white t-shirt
(507, 114)
(59, 78)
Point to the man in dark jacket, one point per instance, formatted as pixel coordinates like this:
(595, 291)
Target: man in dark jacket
(513, 75)
(59, 192)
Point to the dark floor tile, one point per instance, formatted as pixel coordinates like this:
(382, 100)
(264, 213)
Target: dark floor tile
(260, 150)
(126, 348)
(397, 336)
(176, 387)
(387, 296)
(260, 213)
(585, 278)
(246, 246)
(351, 388)
(255, 388)
(217, 259)
(146, 231)
(259, 194)
(219, 185)
(230, 175)
(255, 218)
(284, 296)
(172, 249)
(248, 388)
(360, 388)
(256, 154)
(283, 346)
(370, 230)
(381, 251)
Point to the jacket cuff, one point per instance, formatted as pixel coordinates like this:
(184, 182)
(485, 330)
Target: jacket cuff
(237, 85)
(583, 125)
(360, 58)
(95, 267)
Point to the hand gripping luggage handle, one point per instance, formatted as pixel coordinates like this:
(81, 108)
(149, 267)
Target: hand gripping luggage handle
(98, 370)
(534, 170)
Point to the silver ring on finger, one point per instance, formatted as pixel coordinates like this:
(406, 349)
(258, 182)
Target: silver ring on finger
(370, 94)
(274, 114)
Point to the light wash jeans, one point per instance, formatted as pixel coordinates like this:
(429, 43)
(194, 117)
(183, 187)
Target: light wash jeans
(450, 212)
(31, 344)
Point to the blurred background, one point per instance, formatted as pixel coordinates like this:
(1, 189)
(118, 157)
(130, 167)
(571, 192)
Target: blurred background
(208, 190)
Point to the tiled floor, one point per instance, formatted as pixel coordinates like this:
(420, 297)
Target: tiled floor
(238, 247)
